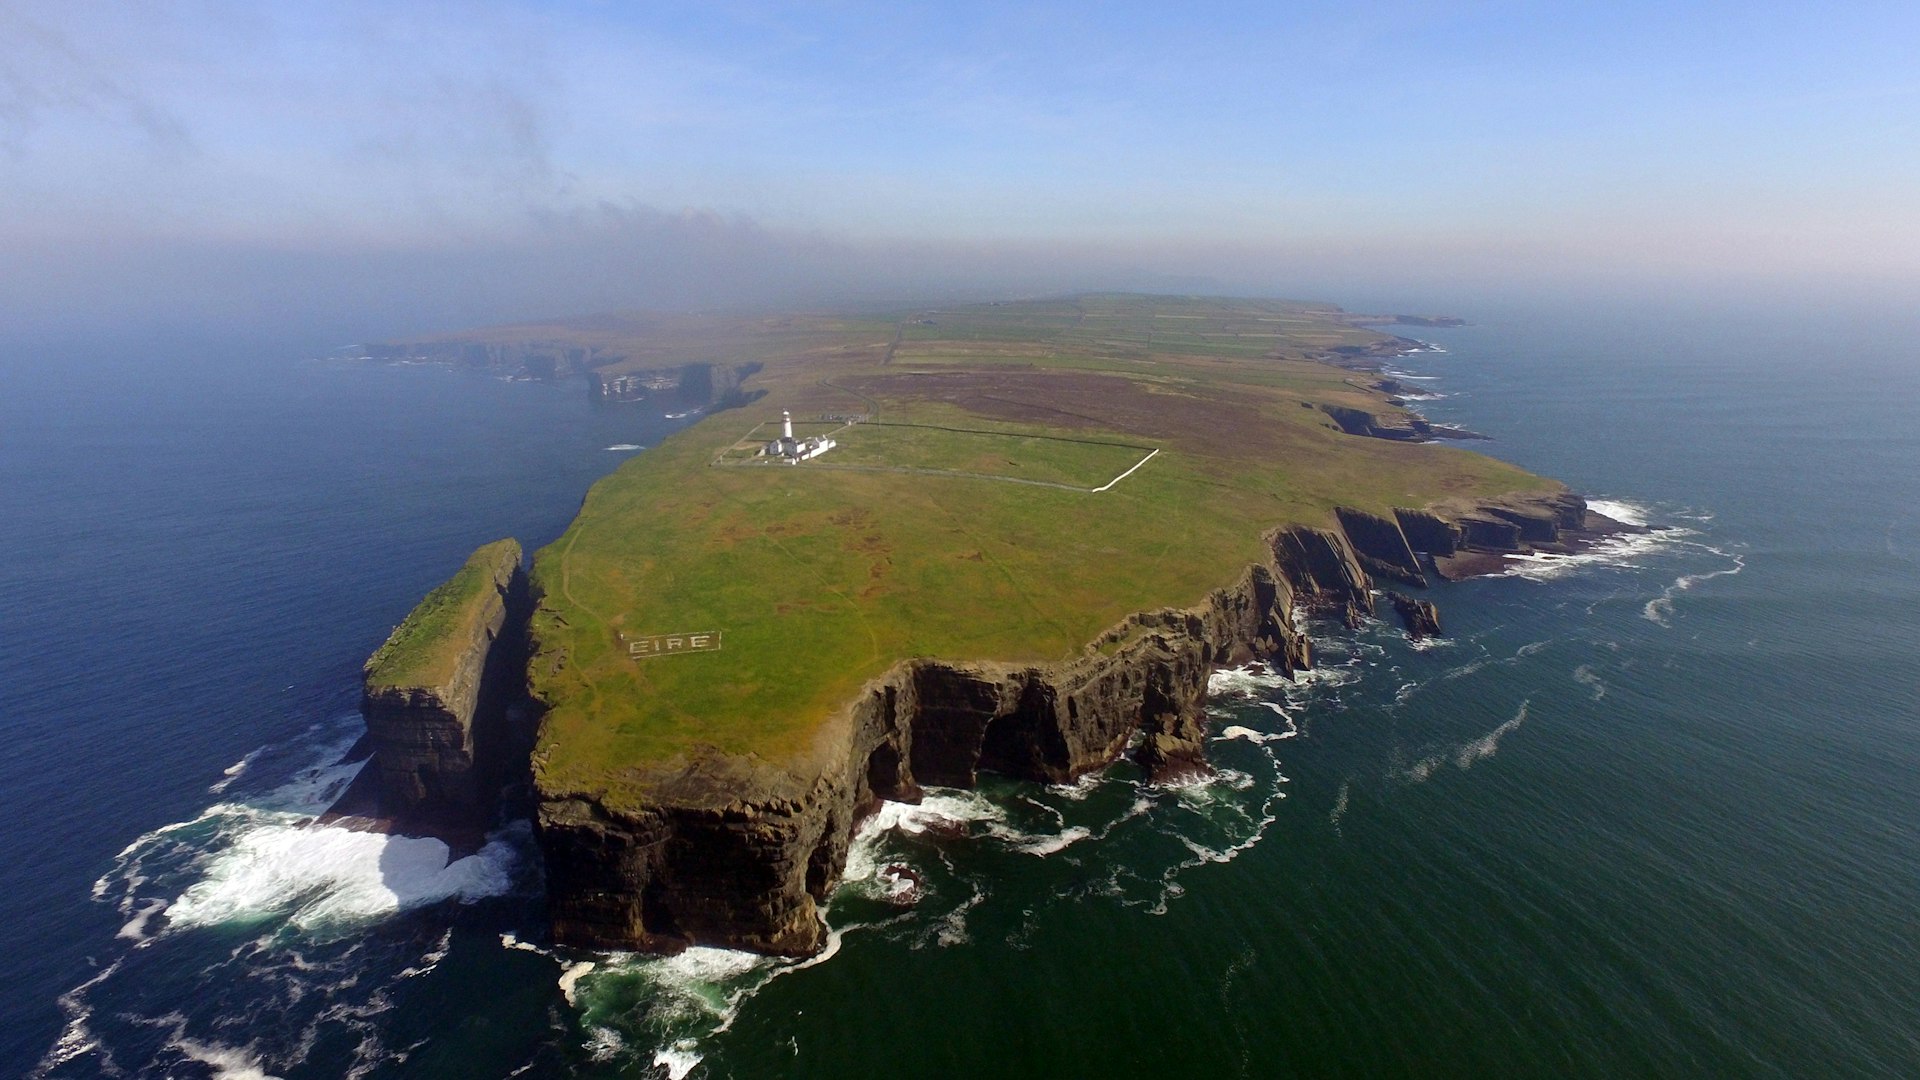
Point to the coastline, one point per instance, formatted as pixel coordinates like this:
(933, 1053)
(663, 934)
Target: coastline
(675, 839)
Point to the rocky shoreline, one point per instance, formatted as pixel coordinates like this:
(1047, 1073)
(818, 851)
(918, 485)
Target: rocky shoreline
(742, 853)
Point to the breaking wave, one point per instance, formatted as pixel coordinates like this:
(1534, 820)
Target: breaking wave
(321, 876)
(1627, 513)
(305, 899)
(1660, 608)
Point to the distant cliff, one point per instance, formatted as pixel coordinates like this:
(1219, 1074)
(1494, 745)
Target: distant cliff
(611, 374)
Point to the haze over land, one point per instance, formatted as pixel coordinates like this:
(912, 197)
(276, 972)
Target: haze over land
(346, 169)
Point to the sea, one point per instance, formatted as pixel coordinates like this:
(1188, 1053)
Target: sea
(1650, 810)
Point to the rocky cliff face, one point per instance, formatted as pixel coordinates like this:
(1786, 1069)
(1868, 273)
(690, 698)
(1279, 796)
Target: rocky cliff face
(736, 853)
(704, 386)
(441, 751)
(741, 854)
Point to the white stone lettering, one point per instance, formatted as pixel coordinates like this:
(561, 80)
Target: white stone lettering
(672, 644)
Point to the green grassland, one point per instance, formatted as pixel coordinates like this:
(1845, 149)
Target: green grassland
(822, 578)
(1032, 454)
(426, 647)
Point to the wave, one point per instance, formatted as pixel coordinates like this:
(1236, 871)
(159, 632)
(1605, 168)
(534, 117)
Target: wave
(1627, 513)
(626, 446)
(323, 875)
(689, 997)
(234, 772)
(314, 892)
(1256, 680)
(1618, 551)
(1660, 608)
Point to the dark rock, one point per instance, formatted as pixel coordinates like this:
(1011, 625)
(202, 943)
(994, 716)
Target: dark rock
(1381, 546)
(1422, 619)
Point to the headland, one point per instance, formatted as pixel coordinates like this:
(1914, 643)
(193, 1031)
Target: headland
(1041, 525)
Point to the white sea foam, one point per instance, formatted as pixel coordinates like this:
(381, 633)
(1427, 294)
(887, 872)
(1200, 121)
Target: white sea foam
(233, 772)
(326, 875)
(1660, 608)
(1465, 755)
(1584, 675)
(1620, 510)
(1339, 807)
(512, 941)
(1238, 732)
(1489, 744)
(77, 1038)
(226, 1062)
(1615, 551)
(136, 927)
(1048, 845)
(431, 959)
(571, 975)
(678, 1060)
(1079, 789)
(1246, 681)
(939, 807)
(951, 929)
(626, 446)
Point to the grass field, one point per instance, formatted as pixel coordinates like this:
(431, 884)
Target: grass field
(1031, 456)
(824, 577)
(425, 648)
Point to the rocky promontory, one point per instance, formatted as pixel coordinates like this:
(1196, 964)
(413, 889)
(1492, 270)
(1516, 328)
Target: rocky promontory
(436, 698)
(1074, 511)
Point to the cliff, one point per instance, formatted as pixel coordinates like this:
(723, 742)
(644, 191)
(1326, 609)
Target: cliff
(612, 373)
(738, 853)
(732, 850)
(435, 698)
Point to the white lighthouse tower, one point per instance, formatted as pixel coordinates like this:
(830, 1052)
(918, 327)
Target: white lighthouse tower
(793, 451)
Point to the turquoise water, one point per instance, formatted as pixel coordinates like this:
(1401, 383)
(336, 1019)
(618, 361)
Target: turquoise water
(1651, 811)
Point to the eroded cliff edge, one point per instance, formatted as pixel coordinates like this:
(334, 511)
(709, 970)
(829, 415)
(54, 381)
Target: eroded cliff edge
(734, 851)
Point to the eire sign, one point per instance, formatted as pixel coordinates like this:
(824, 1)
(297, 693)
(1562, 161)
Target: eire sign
(672, 644)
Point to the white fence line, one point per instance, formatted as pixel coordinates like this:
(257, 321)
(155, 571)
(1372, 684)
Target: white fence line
(1126, 474)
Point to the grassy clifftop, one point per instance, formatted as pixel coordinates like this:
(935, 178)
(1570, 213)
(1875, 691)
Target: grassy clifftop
(984, 511)
(425, 649)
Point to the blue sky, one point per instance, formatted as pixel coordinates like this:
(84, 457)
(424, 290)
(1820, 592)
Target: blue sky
(1655, 138)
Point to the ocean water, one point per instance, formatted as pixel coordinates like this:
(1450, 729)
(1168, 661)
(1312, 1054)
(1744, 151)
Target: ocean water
(1650, 811)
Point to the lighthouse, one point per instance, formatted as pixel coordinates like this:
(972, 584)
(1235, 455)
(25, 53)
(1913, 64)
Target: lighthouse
(793, 451)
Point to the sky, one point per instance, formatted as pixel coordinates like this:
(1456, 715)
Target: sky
(418, 164)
